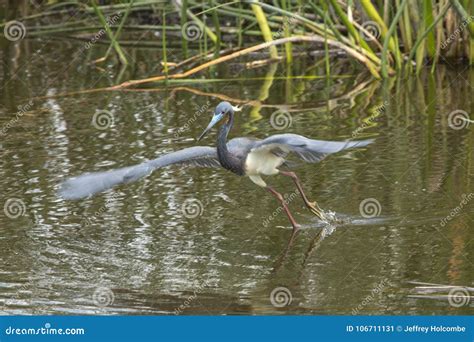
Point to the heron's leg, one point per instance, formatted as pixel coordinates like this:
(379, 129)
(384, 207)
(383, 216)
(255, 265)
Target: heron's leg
(313, 206)
(284, 254)
(285, 207)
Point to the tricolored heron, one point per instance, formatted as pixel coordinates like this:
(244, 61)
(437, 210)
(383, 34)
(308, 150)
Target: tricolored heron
(243, 156)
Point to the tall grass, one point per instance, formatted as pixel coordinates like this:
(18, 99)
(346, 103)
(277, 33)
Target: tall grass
(385, 36)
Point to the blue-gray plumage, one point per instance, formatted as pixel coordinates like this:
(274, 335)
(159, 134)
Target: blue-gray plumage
(243, 156)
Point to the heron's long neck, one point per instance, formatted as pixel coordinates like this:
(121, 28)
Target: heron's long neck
(222, 137)
(226, 158)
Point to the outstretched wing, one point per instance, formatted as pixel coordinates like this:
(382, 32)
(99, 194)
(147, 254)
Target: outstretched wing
(307, 149)
(91, 183)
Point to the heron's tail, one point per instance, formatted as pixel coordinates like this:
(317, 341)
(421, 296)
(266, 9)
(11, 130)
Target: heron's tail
(92, 183)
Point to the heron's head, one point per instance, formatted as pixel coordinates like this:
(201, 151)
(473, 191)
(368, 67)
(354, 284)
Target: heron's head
(222, 110)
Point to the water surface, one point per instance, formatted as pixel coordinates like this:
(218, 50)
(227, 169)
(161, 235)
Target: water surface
(134, 250)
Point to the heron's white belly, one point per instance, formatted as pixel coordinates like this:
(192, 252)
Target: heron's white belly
(262, 163)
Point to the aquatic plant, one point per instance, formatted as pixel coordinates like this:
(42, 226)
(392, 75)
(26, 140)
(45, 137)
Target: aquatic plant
(385, 36)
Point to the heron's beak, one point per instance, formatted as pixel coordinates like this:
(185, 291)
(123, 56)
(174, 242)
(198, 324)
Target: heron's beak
(215, 119)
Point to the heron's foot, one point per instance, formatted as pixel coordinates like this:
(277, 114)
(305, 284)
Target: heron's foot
(296, 227)
(316, 210)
